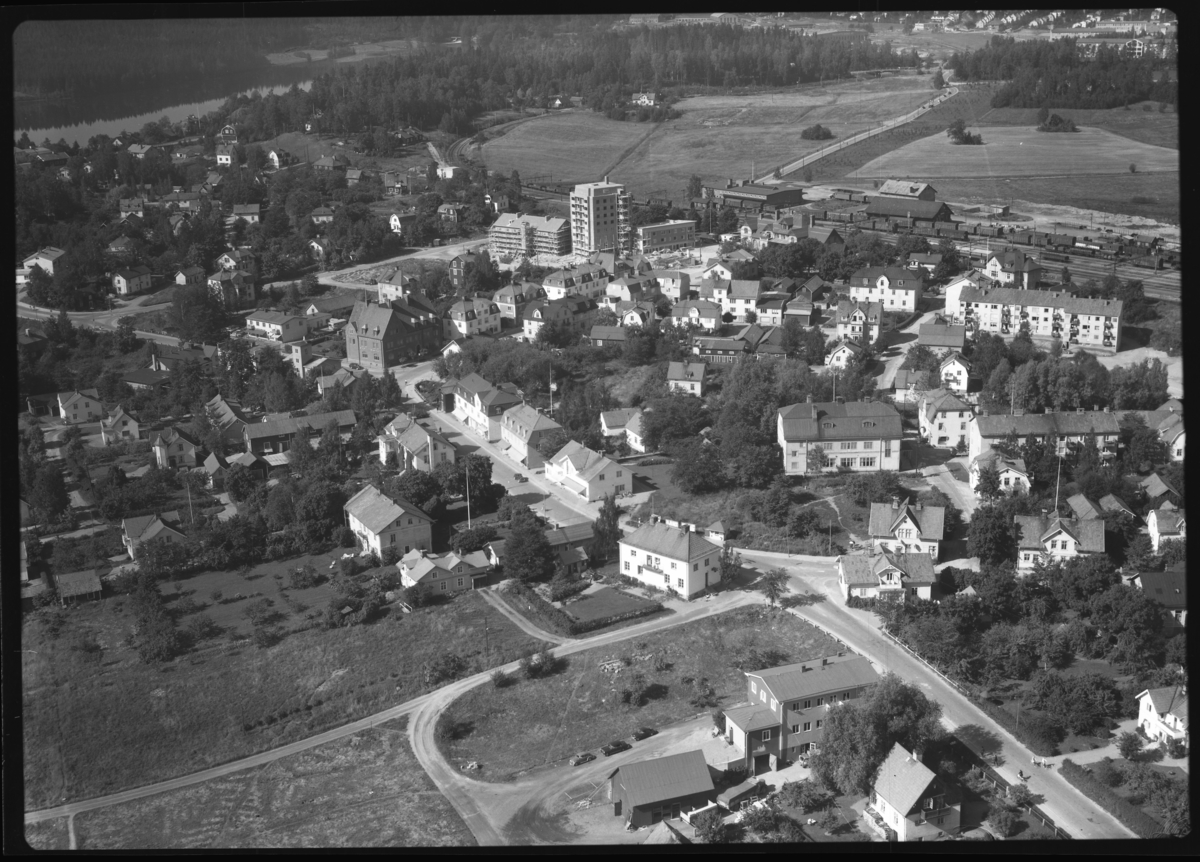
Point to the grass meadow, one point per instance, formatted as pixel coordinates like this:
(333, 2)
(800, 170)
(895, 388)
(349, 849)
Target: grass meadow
(534, 723)
(1141, 122)
(1154, 196)
(98, 720)
(571, 146)
(367, 790)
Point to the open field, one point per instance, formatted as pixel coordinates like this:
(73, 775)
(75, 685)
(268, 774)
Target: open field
(1142, 122)
(1015, 152)
(571, 146)
(367, 790)
(310, 147)
(100, 720)
(1158, 196)
(366, 51)
(48, 835)
(724, 136)
(532, 723)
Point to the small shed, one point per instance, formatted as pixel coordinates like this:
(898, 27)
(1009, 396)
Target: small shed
(649, 791)
(74, 586)
(734, 797)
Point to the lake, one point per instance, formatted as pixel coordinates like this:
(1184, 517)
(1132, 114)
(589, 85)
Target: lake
(127, 110)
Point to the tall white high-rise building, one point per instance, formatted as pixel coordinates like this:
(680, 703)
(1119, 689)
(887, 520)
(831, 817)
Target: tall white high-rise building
(600, 218)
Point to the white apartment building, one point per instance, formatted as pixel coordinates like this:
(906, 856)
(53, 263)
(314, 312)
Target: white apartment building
(664, 236)
(823, 436)
(517, 233)
(600, 218)
(1045, 314)
(894, 287)
(470, 316)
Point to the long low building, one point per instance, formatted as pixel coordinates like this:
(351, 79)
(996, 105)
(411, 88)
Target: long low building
(664, 236)
(518, 233)
(278, 435)
(1046, 314)
(985, 431)
(757, 197)
(823, 436)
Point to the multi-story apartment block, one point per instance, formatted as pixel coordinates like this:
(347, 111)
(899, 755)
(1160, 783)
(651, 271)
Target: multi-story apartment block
(985, 431)
(943, 418)
(512, 299)
(736, 297)
(894, 287)
(1014, 268)
(785, 716)
(670, 558)
(380, 335)
(470, 316)
(823, 436)
(664, 236)
(600, 215)
(520, 234)
(481, 405)
(586, 279)
(1043, 314)
(859, 321)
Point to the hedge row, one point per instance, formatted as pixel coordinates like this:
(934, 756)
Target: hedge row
(1135, 818)
(560, 622)
(1035, 743)
(563, 590)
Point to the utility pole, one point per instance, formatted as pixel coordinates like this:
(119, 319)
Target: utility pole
(467, 471)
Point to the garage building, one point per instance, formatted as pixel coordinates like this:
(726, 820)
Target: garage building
(649, 791)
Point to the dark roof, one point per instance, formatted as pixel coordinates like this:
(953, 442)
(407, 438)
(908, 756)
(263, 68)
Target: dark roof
(942, 335)
(930, 520)
(1035, 529)
(146, 377)
(1042, 299)
(77, 583)
(833, 421)
(864, 569)
(291, 425)
(902, 779)
(903, 208)
(663, 778)
(607, 333)
(1168, 588)
(834, 673)
(1042, 424)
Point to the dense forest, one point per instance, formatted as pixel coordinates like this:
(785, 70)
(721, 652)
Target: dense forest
(1054, 75)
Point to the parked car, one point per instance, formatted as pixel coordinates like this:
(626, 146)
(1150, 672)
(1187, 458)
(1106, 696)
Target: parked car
(579, 759)
(615, 747)
(643, 733)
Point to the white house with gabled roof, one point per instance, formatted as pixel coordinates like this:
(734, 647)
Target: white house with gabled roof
(686, 377)
(380, 522)
(588, 474)
(670, 558)
(1163, 714)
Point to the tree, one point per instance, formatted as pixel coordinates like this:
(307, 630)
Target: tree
(606, 531)
(1129, 745)
(695, 187)
(527, 555)
(729, 563)
(49, 493)
(989, 483)
(992, 534)
(419, 488)
(698, 467)
(710, 828)
(805, 794)
(774, 585)
(197, 315)
(1132, 168)
(939, 82)
(552, 442)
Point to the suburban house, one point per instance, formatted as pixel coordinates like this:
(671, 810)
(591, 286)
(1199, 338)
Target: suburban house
(859, 321)
(1102, 427)
(166, 356)
(189, 275)
(276, 325)
(143, 528)
(353, 176)
(1167, 420)
(43, 259)
(521, 431)
(1165, 525)
(450, 212)
(480, 405)
(512, 299)
(588, 279)
(1084, 507)
(701, 313)
(637, 313)
(80, 406)
(909, 529)
(927, 262)
(321, 215)
(397, 221)
(443, 573)
(132, 280)
(418, 448)
(1169, 589)
(227, 415)
(239, 259)
(894, 287)
(1051, 539)
(122, 245)
(844, 354)
(249, 212)
(674, 559)
(1014, 268)
(721, 349)
(224, 155)
(276, 436)
(672, 284)
(174, 448)
(586, 473)
(649, 791)
(380, 522)
(380, 335)
(234, 289)
(118, 425)
(686, 377)
(613, 422)
(889, 575)
(909, 802)
(1045, 315)
(470, 316)
(1160, 494)
(280, 159)
(943, 418)
(339, 305)
(822, 436)
(217, 467)
(606, 336)
(942, 336)
(785, 717)
(1163, 714)
(146, 378)
(320, 247)
(568, 312)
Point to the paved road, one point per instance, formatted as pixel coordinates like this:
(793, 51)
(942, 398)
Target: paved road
(1074, 812)
(897, 353)
(441, 252)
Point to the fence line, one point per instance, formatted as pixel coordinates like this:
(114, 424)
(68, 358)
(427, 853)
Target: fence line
(957, 686)
(858, 138)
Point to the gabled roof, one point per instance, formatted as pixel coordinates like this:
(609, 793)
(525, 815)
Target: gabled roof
(1155, 486)
(904, 188)
(614, 419)
(136, 529)
(896, 275)
(1041, 299)
(570, 534)
(902, 779)
(77, 583)
(833, 673)
(872, 310)
(1084, 507)
(375, 510)
(1168, 522)
(930, 520)
(827, 420)
(1042, 424)
(146, 377)
(751, 718)
(942, 335)
(864, 569)
(1168, 588)
(663, 778)
(941, 401)
(1169, 701)
(1014, 260)
(1036, 529)
(1113, 503)
(585, 463)
(607, 333)
(686, 371)
(904, 208)
(289, 425)
(528, 420)
(665, 541)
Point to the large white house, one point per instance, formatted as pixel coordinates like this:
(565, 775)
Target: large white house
(1163, 714)
(1166, 525)
(588, 474)
(901, 527)
(81, 406)
(670, 558)
(471, 316)
(686, 377)
(443, 573)
(1055, 539)
(894, 287)
(912, 801)
(943, 418)
(521, 431)
(481, 405)
(985, 431)
(1014, 477)
(890, 575)
(823, 436)
(380, 522)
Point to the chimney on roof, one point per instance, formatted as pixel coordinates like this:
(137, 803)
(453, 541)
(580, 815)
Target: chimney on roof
(841, 399)
(1078, 409)
(809, 400)
(920, 505)
(895, 502)
(1109, 410)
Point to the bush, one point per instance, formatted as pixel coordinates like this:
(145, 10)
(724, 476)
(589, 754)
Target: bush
(346, 537)
(500, 678)
(1129, 745)
(303, 578)
(1004, 820)
(562, 587)
(391, 556)
(1139, 821)
(806, 795)
(1107, 774)
(1039, 734)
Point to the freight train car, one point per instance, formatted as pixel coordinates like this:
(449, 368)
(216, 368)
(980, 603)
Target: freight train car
(1054, 257)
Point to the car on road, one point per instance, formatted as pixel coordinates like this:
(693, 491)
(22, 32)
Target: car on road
(643, 733)
(615, 747)
(411, 364)
(579, 759)
(518, 478)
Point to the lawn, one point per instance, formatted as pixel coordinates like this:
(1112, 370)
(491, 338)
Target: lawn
(48, 835)
(1009, 151)
(1141, 122)
(731, 135)
(572, 146)
(367, 790)
(99, 720)
(603, 603)
(531, 724)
